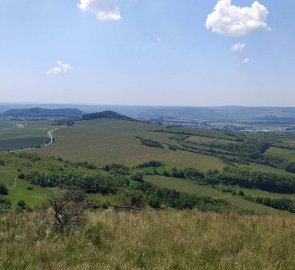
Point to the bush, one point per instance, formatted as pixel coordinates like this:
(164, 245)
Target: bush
(150, 143)
(3, 189)
(21, 176)
(138, 177)
(152, 163)
(5, 204)
(291, 167)
(241, 193)
(133, 198)
(21, 204)
(173, 147)
(117, 169)
(155, 202)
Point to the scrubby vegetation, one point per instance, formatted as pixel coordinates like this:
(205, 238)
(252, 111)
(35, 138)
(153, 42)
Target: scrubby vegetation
(150, 143)
(116, 185)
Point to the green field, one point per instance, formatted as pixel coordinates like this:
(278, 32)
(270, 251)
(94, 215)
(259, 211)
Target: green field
(23, 134)
(113, 141)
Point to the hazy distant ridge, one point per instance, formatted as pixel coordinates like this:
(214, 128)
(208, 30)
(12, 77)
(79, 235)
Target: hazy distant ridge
(42, 113)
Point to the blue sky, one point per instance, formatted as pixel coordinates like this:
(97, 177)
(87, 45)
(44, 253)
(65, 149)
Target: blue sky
(148, 52)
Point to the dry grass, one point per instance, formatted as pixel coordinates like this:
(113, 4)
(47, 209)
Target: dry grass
(151, 240)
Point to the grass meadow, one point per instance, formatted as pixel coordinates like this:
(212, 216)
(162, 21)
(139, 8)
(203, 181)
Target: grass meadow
(149, 240)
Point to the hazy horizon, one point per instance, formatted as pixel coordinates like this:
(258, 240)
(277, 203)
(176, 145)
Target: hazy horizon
(135, 105)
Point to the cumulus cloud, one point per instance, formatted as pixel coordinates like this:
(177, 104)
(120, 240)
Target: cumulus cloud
(59, 68)
(230, 20)
(105, 10)
(238, 47)
(246, 60)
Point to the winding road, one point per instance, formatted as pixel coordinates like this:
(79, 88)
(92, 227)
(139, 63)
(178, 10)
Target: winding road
(50, 136)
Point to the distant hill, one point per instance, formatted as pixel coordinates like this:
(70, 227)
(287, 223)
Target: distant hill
(107, 114)
(42, 113)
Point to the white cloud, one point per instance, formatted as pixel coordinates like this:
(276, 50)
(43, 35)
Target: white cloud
(231, 20)
(105, 10)
(238, 47)
(59, 68)
(246, 60)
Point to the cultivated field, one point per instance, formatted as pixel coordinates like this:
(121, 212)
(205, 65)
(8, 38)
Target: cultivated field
(113, 141)
(16, 135)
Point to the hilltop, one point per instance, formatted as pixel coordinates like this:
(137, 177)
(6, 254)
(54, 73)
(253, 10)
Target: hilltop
(42, 113)
(108, 115)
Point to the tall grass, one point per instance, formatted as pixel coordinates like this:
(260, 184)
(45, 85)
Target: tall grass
(149, 240)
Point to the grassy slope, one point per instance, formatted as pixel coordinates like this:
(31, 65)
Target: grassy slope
(282, 153)
(199, 139)
(18, 188)
(200, 132)
(194, 188)
(151, 240)
(107, 141)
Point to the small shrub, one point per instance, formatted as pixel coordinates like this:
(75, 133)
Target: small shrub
(241, 193)
(138, 177)
(22, 206)
(155, 202)
(133, 198)
(5, 205)
(3, 189)
(21, 176)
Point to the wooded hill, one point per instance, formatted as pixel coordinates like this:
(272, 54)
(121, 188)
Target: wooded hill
(108, 115)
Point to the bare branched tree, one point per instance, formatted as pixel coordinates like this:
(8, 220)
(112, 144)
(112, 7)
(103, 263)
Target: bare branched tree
(68, 207)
